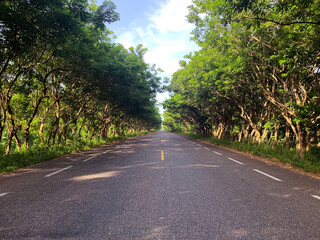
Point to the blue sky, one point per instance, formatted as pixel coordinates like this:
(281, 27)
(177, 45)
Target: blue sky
(161, 26)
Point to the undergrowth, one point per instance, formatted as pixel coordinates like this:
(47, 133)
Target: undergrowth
(310, 162)
(34, 155)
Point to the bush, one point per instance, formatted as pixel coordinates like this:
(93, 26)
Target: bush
(310, 162)
(36, 154)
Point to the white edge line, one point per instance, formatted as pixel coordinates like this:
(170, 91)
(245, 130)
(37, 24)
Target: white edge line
(316, 196)
(3, 194)
(63, 169)
(89, 158)
(217, 153)
(236, 161)
(272, 177)
(206, 148)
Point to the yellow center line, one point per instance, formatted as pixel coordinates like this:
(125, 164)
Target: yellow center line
(162, 155)
(162, 141)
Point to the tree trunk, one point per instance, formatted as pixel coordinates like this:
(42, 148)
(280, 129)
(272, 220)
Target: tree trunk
(308, 141)
(41, 131)
(220, 130)
(10, 137)
(216, 132)
(287, 137)
(299, 141)
(246, 132)
(88, 128)
(27, 127)
(264, 135)
(2, 121)
(93, 134)
(275, 140)
(102, 132)
(27, 136)
(239, 136)
(1, 131)
(80, 128)
(53, 136)
(255, 136)
(223, 132)
(17, 140)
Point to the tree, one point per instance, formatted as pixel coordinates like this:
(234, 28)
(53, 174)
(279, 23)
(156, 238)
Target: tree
(61, 76)
(257, 70)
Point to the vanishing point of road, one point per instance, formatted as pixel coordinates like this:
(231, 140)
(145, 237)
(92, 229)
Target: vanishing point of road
(158, 186)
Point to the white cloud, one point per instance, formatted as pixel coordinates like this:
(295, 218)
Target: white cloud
(167, 55)
(172, 17)
(126, 39)
(166, 36)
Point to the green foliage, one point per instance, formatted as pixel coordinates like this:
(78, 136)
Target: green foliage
(310, 162)
(255, 77)
(37, 154)
(62, 80)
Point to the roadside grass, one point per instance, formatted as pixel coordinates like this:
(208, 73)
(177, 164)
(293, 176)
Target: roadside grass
(34, 155)
(310, 162)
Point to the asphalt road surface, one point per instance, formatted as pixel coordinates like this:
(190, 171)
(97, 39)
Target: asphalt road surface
(158, 186)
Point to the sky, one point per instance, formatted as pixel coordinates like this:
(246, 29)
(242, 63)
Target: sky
(162, 28)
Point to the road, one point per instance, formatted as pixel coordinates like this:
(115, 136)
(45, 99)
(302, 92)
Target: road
(158, 186)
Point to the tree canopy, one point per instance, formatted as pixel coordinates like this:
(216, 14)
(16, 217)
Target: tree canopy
(63, 79)
(256, 76)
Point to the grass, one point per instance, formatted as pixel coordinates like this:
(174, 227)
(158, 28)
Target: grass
(310, 162)
(36, 155)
